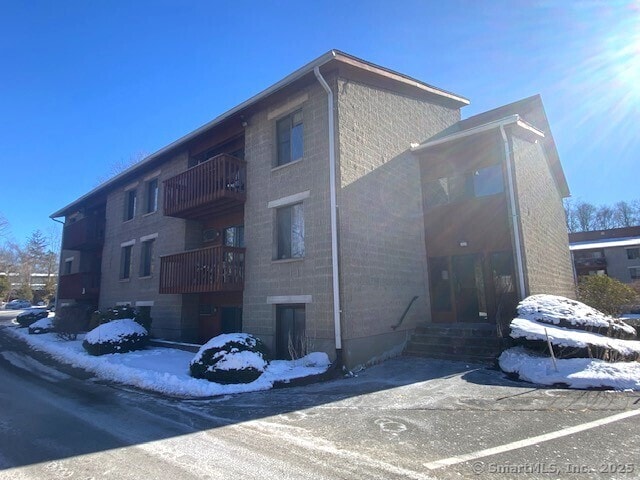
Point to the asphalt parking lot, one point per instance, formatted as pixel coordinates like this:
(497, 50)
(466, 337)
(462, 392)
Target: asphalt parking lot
(405, 418)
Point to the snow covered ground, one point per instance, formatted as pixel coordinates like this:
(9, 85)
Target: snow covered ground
(165, 370)
(565, 323)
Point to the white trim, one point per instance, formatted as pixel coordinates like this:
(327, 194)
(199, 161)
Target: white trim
(145, 303)
(289, 200)
(288, 299)
(131, 186)
(479, 129)
(153, 175)
(146, 238)
(287, 107)
(128, 243)
(606, 243)
(70, 259)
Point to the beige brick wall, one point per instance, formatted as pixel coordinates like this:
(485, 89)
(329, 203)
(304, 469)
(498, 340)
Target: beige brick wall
(382, 248)
(167, 309)
(548, 267)
(311, 275)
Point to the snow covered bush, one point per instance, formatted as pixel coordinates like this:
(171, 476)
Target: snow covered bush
(574, 330)
(30, 316)
(100, 317)
(117, 336)
(70, 320)
(44, 325)
(230, 358)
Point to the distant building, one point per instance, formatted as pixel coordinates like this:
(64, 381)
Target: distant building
(614, 252)
(341, 207)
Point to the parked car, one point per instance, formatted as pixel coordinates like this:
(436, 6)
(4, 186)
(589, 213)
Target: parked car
(31, 315)
(17, 304)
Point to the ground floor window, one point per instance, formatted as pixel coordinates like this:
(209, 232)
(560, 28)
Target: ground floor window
(291, 340)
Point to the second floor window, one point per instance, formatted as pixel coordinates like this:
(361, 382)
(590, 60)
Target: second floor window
(290, 231)
(234, 236)
(152, 196)
(130, 205)
(125, 262)
(146, 258)
(289, 132)
(633, 253)
(457, 188)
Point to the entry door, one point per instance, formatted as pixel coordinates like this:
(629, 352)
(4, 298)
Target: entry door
(468, 288)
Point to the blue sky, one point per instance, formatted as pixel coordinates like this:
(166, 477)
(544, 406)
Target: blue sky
(85, 85)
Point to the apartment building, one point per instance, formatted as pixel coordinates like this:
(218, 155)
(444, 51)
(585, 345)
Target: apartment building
(334, 211)
(614, 252)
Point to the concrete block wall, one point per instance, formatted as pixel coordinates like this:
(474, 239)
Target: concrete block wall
(166, 310)
(382, 245)
(309, 276)
(548, 266)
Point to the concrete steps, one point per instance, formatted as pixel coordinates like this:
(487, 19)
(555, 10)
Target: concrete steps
(463, 342)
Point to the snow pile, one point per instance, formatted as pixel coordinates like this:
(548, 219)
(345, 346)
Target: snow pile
(561, 311)
(592, 349)
(165, 370)
(230, 358)
(44, 325)
(31, 315)
(118, 336)
(574, 372)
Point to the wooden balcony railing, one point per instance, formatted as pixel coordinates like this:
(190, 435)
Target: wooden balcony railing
(79, 286)
(212, 269)
(84, 234)
(212, 186)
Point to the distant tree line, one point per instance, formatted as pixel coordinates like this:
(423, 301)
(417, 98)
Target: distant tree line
(584, 216)
(39, 254)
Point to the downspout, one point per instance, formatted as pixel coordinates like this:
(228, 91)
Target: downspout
(334, 219)
(514, 215)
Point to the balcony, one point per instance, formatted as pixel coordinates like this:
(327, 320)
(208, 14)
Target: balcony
(84, 234)
(212, 269)
(600, 262)
(212, 187)
(79, 286)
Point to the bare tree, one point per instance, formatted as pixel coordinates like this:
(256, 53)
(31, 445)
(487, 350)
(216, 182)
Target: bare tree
(570, 214)
(4, 226)
(121, 165)
(585, 216)
(605, 218)
(625, 214)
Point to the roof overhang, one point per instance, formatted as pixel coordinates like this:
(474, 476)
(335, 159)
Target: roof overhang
(511, 120)
(332, 56)
(613, 243)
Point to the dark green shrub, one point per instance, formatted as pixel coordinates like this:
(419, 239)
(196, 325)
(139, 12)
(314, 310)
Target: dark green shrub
(28, 317)
(606, 294)
(71, 320)
(117, 336)
(120, 312)
(230, 358)
(44, 325)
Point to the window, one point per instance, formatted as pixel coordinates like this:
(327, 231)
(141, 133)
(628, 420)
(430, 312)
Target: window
(130, 205)
(291, 339)
(488, 181)
(67, 267)
(633, 253)
(289, 133)
(437, 192)
(290, 232)
(234, 236)
(502, 269)
(146, 258)
(125, 262)
(635, 273)
(152, 196)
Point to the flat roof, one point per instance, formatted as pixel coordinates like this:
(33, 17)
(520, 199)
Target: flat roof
(612, 243)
